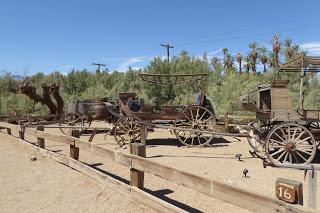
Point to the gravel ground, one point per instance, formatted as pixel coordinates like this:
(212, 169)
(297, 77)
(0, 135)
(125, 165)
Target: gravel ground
(217, 162)
(47, 186)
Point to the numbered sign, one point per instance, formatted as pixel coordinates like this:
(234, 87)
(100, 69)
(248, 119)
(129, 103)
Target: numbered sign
(289, 191)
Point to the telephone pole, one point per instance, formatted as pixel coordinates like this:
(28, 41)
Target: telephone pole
(168, 46)
(99, 65)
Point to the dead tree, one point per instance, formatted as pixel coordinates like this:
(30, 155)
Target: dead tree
(45, 98)
(55, 93)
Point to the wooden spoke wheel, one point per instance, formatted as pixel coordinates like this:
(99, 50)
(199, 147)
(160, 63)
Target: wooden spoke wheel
(258, 133)
(127, 130)
(314, 126)
(86, 122)
(70, 119)
(290, 143)
(195, 118)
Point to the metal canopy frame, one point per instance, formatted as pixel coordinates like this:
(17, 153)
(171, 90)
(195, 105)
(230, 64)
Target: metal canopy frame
(172, 78)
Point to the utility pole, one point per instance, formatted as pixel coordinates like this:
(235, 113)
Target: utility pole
(168, 46)
(99, 65)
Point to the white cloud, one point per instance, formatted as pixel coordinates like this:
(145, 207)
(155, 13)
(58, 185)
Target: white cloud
(313, 48)
(127, 62)
(214, 53)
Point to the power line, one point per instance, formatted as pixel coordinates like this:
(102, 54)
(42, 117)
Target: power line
(99, 65)
(168, 46)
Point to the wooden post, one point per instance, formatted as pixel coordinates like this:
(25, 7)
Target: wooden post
(74, 151)
(226, 122)
(21, 132)
(40, 140)
(137, 176)
(312, 199)
(143, 134)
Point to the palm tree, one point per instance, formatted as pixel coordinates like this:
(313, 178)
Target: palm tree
(215, 62)
(288, 51)
(217, 66)
(263, 58)
(225, 53)
(276, 46)
(239, 60)
(248, 64)
(253, 55)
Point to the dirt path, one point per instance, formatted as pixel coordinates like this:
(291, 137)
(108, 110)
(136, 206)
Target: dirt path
(47, 186)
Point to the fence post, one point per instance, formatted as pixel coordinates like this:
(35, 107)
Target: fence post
(312, 179)
(137, 176)
(74, 151)
(226, 122)
(8, 131)
(40, 140)
(143, 134)
(21, 131)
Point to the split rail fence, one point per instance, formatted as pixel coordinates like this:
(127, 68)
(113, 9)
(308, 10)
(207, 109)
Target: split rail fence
(138, 164)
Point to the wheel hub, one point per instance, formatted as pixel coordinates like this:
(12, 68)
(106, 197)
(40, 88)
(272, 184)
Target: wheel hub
(290, 147)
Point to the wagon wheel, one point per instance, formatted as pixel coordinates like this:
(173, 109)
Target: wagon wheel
(86, 122)
(127, 130)
(289, 143)
(70, 119)
(258, 134)
(315, 125)
(195, 118)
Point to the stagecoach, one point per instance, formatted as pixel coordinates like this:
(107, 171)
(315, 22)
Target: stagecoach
(192, 125)
(281, 133)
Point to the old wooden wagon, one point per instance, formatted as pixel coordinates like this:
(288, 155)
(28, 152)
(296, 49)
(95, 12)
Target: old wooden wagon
(283, 134)
(82, 112)
(192, 124)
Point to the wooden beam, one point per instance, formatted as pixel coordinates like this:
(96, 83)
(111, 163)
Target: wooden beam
(74, 151)
(137, 176)
(21, 131)
(40, 140)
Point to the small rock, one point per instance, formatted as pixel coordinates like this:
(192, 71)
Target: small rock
(33, 158)
(124, 147)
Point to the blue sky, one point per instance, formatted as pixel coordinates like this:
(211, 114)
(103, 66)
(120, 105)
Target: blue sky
(48, 35)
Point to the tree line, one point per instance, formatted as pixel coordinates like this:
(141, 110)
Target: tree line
(228, 78)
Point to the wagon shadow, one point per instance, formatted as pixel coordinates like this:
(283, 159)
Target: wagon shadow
(216, 142)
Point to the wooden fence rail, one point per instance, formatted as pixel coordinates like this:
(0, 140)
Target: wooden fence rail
(230, 194)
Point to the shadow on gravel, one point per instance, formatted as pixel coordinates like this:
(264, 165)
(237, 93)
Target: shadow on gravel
(158, 193)
(96, 166)
(216, 142)
(161, 194)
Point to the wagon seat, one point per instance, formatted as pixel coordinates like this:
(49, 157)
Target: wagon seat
(202, 100)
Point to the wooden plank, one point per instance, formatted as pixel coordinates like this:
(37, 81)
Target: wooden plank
(50, 136)
(10, 126)
(233, 195)
(157, 169)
